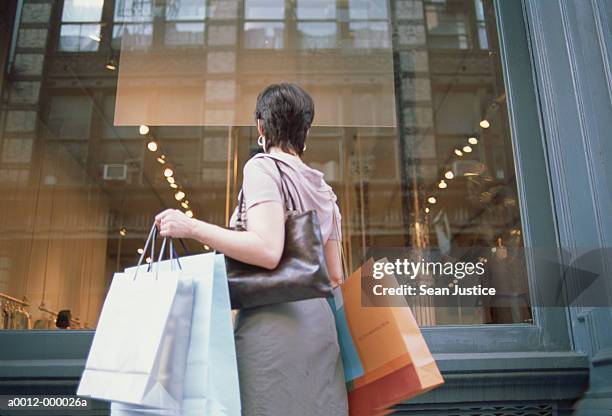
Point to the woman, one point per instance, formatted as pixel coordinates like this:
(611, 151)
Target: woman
(288, 357)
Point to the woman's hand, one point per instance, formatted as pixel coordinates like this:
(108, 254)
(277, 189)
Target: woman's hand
(175, 224)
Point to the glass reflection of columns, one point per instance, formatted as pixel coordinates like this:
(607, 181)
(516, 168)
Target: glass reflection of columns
(415, 129)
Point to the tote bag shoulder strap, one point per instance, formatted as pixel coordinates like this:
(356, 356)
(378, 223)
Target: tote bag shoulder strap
(289, 197)
(340, 245)
(286, 194)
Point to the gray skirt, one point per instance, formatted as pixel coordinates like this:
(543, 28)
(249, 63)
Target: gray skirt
(289, 361)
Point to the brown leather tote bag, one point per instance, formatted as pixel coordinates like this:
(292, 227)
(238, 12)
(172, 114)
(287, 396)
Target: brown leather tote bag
(302, 270)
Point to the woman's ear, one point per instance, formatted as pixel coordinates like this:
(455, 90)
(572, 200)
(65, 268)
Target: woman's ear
(260, 129)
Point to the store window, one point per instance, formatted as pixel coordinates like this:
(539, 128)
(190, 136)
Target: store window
(82, 192)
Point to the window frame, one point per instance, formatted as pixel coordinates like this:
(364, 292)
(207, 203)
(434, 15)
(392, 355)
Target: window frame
(550, 328)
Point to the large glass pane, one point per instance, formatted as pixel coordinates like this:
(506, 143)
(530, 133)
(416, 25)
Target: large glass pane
(429, 170)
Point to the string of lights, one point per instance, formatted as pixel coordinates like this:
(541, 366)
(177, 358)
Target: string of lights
(179, 194)
(458, 152)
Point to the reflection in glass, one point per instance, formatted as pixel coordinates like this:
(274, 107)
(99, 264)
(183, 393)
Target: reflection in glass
(367, 35)
(136, 35)
(447, 26)
(483, 41)
(263, 35)
(133, 24)
(108, 131)
(78, 34)
(79, 38)
(222, 9)
(185, 10)
(367, 9)
(64, 122)
(221, 35)
(17, 150)
(82, 11)
(264, 9)
(79, 193)
(319, 35)
(184, 34)
(133, 10)
(316, 9)
(184, 23)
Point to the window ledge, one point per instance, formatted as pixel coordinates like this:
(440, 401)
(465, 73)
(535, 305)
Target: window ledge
(511, 361)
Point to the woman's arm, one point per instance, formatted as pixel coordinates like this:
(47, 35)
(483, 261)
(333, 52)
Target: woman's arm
(333, 260)
(261, 245)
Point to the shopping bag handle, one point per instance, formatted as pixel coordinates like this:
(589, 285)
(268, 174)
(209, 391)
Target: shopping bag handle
(172, 254)
(150, 238)
(183, 246)
(151, 242)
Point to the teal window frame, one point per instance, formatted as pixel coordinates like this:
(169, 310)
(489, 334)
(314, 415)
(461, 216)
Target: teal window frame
(550, 329)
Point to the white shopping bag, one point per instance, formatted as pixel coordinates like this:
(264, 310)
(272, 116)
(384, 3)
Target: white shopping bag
(211, 377)
(139, 350)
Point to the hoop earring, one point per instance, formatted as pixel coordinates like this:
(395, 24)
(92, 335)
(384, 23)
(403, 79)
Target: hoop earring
(261, 141)
(304, 148)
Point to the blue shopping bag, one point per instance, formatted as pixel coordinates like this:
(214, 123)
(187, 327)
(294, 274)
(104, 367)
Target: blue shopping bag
(350, 358)
(211, 384)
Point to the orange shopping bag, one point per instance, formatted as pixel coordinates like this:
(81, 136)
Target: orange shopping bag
(375, 398)
(396, 360)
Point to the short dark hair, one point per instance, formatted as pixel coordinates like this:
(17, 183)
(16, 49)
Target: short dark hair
(286, 111)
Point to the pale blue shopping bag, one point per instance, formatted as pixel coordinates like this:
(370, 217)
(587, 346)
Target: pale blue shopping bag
(211, 384)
